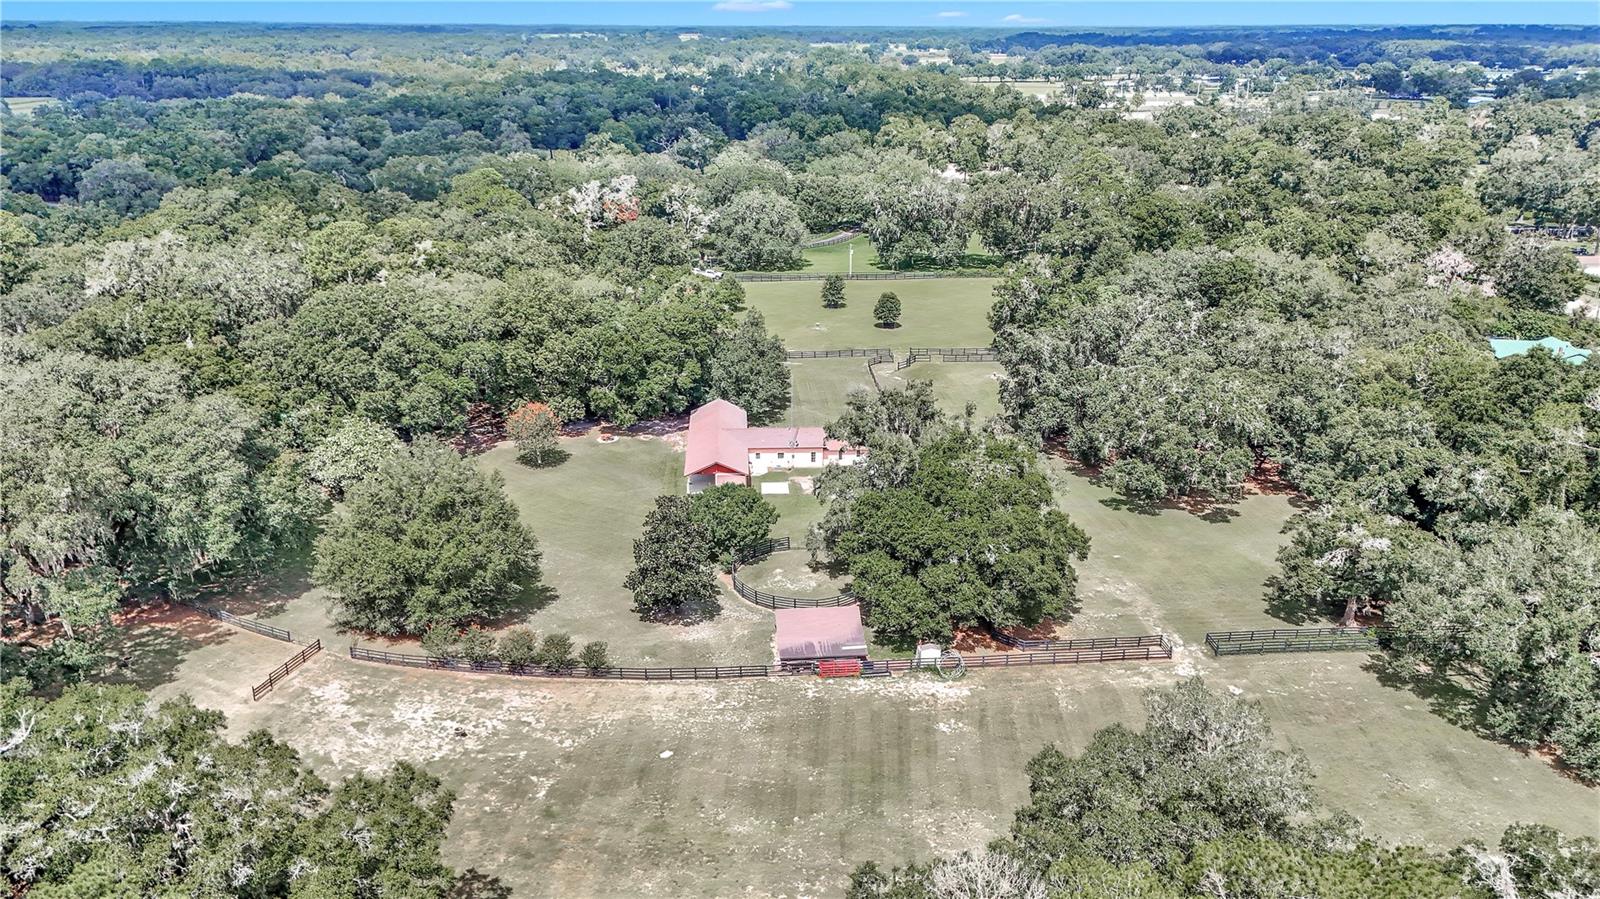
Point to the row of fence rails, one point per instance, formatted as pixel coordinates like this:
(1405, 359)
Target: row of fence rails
(746, 277)
(249, 624)
(847, 353)
(841, 237)
(1305, 639)
(1074, 642)
(777, 601)
(948, 354)
(1161, 649)
(284, 670)
(494, 666)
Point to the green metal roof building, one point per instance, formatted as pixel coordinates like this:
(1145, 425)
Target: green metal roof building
(1562, 350)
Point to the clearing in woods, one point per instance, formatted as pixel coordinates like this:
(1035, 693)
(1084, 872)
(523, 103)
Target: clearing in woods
(778, 788)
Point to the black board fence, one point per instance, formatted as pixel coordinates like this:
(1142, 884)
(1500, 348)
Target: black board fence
(284, 670)
(265, 630)
(1156, 651)
(849, 353)
(715, 672)
(1297, 639)
(1031, 643)
(841, 237)
(775, 600)
(947, 354)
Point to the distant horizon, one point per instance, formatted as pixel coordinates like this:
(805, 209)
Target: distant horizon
(1021, 15)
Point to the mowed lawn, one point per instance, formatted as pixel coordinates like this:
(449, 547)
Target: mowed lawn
(936, 312)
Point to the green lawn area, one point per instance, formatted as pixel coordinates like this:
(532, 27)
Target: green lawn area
(835, 258)
(935, 312)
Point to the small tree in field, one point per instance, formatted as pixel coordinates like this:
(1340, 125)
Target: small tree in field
(671, 576)
(519, 647)
(887, 312)
(555, 653)
(534, 427)
(594, 656)
(833, 292)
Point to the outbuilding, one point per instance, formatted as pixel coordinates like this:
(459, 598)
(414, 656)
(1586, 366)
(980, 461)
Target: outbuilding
(833, 632)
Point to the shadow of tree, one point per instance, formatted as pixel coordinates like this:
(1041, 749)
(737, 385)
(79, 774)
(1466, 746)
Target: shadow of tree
(549, 459)
(1446, 696)
(156, 640)
(261, 594)
(529, 600)
(474, 884)
(1284, 605)
(1123, 504)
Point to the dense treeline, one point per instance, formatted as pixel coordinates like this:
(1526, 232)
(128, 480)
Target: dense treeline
(1322, 305)
(109, 794)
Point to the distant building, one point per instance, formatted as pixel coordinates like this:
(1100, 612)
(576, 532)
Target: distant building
(722, 449)
(1557, 347)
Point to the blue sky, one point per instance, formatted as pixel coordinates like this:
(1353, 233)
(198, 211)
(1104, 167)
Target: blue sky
(1013, 14)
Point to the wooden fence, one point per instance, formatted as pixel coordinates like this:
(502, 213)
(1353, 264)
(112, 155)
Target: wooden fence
(774, 600)
(848, 353)
(862, 276)
(1076, 642)
(284, 670)
(718, 672)
(1298, 639)
(1127, 653)
(265, 630)
(947, 354)
(1143, 652)
(841, 237)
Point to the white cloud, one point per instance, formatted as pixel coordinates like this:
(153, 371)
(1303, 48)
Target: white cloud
(1019, 19)
(950, 14)
(752, 5)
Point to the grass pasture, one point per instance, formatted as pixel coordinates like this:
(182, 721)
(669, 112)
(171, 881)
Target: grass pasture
(935, 312)
(835, 259)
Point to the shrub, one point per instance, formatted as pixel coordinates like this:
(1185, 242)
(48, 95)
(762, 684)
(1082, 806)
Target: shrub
(594, 656)
(440, 641)
(519, 647)
(476, 644)
(555, 653)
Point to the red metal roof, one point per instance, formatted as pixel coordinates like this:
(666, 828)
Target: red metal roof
(711, 441)
(718, 436)
(825, 633)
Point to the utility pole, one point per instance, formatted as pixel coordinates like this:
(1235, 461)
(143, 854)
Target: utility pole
(851, 268)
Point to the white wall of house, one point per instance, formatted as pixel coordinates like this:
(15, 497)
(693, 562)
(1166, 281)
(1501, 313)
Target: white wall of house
(763, 461)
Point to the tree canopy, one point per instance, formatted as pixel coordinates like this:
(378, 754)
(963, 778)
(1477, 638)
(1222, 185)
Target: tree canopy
(425, 540)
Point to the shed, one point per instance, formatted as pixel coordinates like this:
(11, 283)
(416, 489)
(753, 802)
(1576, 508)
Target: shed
(834, 632)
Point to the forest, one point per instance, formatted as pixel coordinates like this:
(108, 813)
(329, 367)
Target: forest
(250, 299)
